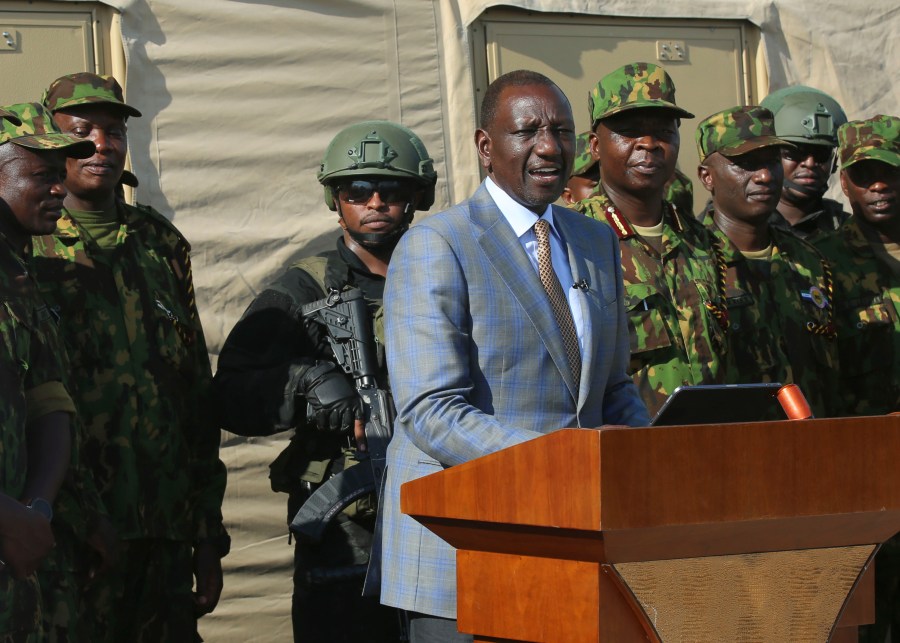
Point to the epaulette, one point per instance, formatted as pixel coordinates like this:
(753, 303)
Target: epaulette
(148, 212)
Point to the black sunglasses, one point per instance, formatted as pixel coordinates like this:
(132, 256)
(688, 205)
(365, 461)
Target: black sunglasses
(390, 191)
(821, 154)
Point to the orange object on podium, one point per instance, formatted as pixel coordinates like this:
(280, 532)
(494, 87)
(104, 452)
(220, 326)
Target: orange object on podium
(751, 531)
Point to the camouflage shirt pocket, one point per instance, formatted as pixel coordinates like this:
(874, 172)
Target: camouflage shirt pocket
(16, 330)
(172, 333)
(865, 336)
(646, 324)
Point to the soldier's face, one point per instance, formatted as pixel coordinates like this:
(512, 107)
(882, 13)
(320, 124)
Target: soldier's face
(32, 189)
(529, 148)
(637, 150)
(873, 189)
(373, 209)
(746, 187)
(95, 177)
(809, 166)
(581, 186)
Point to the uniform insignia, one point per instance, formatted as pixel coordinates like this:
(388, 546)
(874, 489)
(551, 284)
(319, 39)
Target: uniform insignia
(816, 296)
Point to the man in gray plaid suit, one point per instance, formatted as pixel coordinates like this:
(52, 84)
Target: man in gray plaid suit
(476, 355)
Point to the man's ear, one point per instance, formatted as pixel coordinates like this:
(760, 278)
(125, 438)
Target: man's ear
(594, 145)
(706, 177)
(844, 180)
(483, 146)
(567, 196)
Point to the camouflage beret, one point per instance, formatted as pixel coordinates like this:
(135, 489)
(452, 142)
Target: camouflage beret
(36, 130)
(875, 138)
(633, 86)
(85, 88)
(736, 131)
(583, 159)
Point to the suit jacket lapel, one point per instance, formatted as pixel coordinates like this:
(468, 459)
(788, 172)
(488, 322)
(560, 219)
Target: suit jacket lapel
(586, 269)
(508, 258)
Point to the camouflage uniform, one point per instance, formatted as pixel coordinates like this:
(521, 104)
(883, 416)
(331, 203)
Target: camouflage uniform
(29, 375)
(674, 298)
(674, 301)
(780, 314)
(868, 320)
(142, 377)
(868, 313)
(32, 365)
(781, 308)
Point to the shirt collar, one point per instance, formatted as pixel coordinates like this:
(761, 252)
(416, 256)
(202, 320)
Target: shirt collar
(519, 217)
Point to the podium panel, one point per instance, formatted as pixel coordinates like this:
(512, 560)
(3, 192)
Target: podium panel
(752, 531)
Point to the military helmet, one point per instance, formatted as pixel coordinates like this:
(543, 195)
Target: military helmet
(805, 115)
(377, 148)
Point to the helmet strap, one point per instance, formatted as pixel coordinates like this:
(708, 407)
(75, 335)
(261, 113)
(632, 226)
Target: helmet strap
(378, 240)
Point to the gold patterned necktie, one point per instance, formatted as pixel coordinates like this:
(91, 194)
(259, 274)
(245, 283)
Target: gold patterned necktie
(557, 298)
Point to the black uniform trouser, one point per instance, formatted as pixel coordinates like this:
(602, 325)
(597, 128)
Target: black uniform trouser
(327, 605)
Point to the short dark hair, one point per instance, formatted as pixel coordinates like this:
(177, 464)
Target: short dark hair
(517, 78)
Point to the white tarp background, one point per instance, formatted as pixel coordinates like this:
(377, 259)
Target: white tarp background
(241, 97)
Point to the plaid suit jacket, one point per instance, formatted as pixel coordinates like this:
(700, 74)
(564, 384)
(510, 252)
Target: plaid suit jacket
(477, 364)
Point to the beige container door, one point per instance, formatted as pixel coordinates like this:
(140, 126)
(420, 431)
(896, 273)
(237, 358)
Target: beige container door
(707, 61)
(38, 46)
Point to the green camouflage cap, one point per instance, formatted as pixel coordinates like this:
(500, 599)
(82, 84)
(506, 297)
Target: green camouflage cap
(875, 138)
(583, 159)
(85, 88)
(736, 131)
(9, 116)
(630, 87)
(36, 130)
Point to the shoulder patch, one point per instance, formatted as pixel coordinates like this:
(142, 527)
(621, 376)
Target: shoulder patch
(148, 212)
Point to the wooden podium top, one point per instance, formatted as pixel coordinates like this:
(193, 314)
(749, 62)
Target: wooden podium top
(629, 494)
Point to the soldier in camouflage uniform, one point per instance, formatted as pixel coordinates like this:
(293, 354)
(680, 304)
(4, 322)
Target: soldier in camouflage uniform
(35, 407)
(809, 119)
(80, 528)
(779, 288)
(119, 277)
(673, 282)
(867, 266)
(865, 254)
(274, 363)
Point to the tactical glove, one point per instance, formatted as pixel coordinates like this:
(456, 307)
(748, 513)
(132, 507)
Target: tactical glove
(334, 402)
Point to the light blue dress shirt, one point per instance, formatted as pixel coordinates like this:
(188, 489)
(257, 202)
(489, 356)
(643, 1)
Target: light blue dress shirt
(522, 221)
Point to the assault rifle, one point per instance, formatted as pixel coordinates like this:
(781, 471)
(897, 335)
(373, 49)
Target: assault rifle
(345, 315)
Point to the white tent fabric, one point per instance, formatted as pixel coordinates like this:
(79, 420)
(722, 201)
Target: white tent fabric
(240, 98)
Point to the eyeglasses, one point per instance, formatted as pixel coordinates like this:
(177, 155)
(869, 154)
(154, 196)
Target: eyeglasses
(821, 154)
(390, 191)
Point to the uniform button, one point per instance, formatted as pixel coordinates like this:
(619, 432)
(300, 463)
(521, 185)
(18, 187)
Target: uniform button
(736, 326)
(861, 324)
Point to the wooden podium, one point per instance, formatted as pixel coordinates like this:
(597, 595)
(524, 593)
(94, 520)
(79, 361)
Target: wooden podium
(734, 532)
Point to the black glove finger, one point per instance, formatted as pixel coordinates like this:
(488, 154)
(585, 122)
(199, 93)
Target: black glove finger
(337, 420)
(323, 421)
(347, 419)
